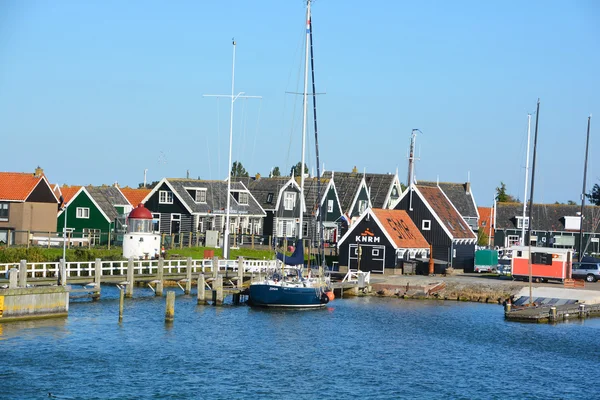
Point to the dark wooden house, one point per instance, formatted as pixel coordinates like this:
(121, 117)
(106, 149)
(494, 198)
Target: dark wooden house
(462, 198)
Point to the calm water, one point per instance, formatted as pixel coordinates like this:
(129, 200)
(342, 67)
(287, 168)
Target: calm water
(356, 348)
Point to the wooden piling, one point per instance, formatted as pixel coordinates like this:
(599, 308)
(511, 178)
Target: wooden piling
(13, 274)
(240, 272)
(62, 272)
(201, 290)
(130, 278)
(121, 300)
(215, 267)
(160, 274)
(188, 276)
(97, 278)
(582, 311)
(23, 273)
(170, 311)
(553, 313)
(218, 289)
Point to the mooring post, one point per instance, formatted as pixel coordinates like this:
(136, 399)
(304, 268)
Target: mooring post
(170, 311)
(553, 313)
(215, 267)
(97, 278)
(361, 280)
(219, 290)
(13, 274)
(160, 284)
(23, 273)
(62, 272)
(240, 272)
(582, 311)
(507, 306)
(201, 290)
(129, 288)
(121, 300)
(188, 276)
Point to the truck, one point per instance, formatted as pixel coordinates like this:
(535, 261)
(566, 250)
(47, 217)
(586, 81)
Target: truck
(486, 260)
(547, 263)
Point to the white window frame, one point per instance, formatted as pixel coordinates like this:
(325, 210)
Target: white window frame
(329, 206)
(375, 252)
(512, 240)
(244, 198)
(5, 206)
(200, 196)
(165, 197)
(520, 222)
(289, 200)
(82, 213)
(156, 219)
(362, 206)
(426, 225)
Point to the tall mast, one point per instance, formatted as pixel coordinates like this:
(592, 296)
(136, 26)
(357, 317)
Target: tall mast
(537, 118)
(226, 234)
(411, 166)
(587, 144)
(305, 95)
(526, 176)
(314, 96)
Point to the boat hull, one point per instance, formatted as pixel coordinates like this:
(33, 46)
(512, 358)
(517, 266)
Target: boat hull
(268, 295)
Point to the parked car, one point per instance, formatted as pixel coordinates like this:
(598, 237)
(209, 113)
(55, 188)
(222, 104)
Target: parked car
(586, 270)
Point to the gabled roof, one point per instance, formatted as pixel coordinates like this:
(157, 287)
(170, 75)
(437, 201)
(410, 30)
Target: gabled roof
(445, 212)
(107, 197)
(216, 196)
(262, 187)
(68, 192)
(135, 196)
(547, 217)
(311, 193)
(401, 228)
(459, 194)
(17, 186)
(75, 191)
(348, 184)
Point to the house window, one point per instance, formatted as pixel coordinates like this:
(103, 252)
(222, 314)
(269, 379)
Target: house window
(375, 253)
(304, 228)
(289, 200)
(362, 206)
(329, 206)
(156, 222)
(165, 197)
(270, 198)
(83, 212)
(3, 211)
(93, 235)
(513, 240)
(483, 223)
(243, 198)
(520, 222)
(426, 225)
(200, 196)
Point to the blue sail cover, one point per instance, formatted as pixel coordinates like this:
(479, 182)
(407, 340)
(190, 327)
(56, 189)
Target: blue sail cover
(297, 257)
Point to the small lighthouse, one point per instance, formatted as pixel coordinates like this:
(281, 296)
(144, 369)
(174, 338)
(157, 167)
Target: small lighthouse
(140, 241)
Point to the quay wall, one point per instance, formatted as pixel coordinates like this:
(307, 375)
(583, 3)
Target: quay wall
(32, 303)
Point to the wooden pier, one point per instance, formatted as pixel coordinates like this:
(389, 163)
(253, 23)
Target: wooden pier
(544, 314)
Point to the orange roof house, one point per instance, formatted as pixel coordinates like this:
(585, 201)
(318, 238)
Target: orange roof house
(135, 196)
(381, 239)
(486, 221)
(27, 205)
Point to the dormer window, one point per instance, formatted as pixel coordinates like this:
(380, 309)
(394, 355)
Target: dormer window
(520, 222)
(269, 198)
(289, 200)
(243, 198)
(200, 196)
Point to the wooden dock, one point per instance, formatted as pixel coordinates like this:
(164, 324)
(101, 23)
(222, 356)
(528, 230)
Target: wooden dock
(545, 314)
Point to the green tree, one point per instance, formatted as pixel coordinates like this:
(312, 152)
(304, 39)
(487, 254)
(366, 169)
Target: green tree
(275, 172)
(502, 196)
(571, 203)
(594, 195)
(148, 185)
(482, 237)
(238, 170)
(296, 169)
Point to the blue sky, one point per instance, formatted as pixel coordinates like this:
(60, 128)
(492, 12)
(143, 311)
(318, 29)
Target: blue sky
(97, 91)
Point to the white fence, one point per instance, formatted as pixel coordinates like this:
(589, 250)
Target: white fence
(140, 267)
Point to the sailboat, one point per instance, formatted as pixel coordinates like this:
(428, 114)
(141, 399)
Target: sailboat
(285, 289)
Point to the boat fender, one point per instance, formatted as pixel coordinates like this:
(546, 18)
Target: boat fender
(330, 295)
(324, 298)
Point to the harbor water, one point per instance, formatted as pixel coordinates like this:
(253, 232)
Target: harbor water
(376, 348)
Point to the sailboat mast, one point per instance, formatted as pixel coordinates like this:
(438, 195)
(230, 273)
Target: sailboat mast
(314, 96)
(587, 144)
(305, 95)
(226, 234)
(537, 118)
(526, 176)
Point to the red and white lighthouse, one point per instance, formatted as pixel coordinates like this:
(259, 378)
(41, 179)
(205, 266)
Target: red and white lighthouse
(140, 241)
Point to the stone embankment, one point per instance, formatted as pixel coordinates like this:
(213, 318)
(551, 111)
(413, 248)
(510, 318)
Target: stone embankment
(484, 289)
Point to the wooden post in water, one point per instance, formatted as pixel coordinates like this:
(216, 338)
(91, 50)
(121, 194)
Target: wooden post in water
(240, 271)
(188, 276)
(553, 314)
(201, 290)
(219, 290)
(215, 267)
(582, 310)
(129, 288)
(13, 274)
(121, 299)
(23, 273)
(170, 311)
(160, 273)
(62, 272)
(97, 278)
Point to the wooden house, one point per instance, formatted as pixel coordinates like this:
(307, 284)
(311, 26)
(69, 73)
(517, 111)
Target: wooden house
(381, 240)
(327, 206)
(27, 205)
(452, 240)
(462, 198)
